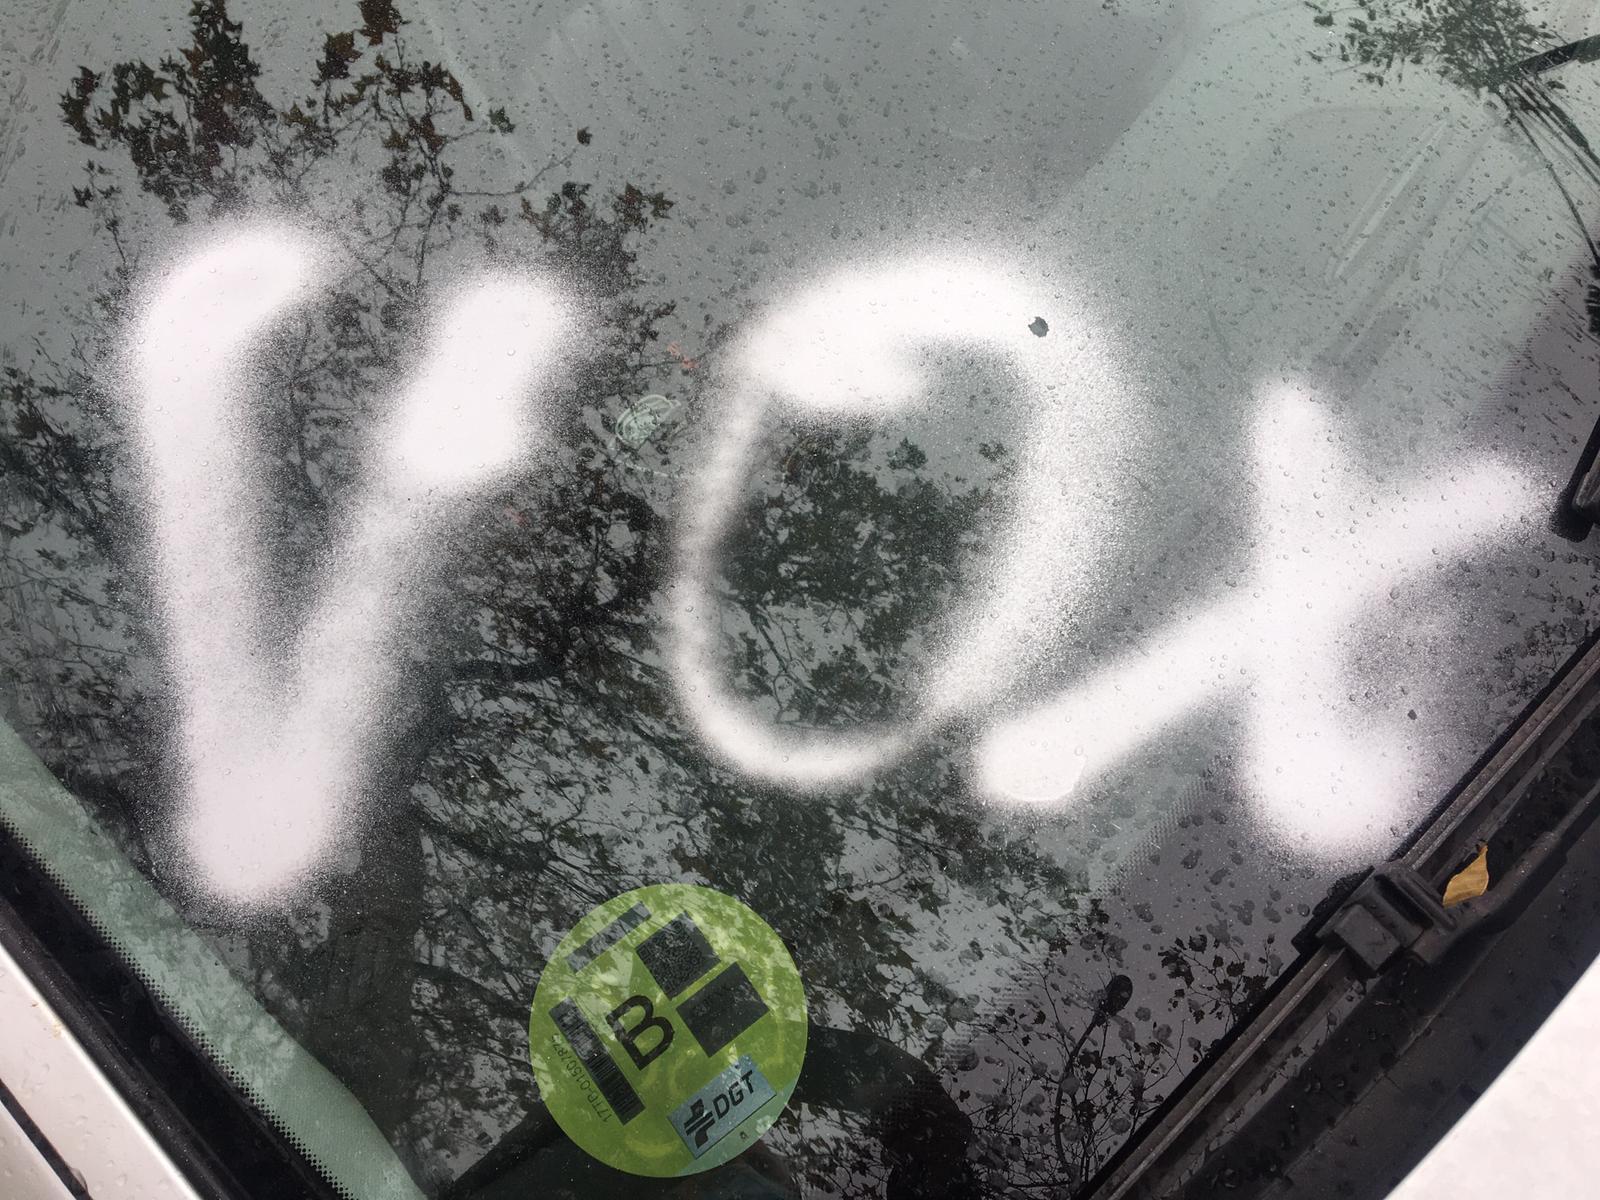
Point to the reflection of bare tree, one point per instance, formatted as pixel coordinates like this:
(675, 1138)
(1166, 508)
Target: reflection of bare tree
(1067, 1069)
(540, 767)
(379, 158)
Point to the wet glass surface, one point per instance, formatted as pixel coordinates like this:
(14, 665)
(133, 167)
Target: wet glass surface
(1023, 500)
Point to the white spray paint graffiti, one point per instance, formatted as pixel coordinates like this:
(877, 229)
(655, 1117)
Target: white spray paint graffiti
(1323, 553)
(848, 349)
(276, 731)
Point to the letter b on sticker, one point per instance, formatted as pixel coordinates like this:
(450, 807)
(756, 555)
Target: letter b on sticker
(648, 1024)
(651, 1008)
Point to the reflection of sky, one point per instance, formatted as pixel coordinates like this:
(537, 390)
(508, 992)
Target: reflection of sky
(785, 132)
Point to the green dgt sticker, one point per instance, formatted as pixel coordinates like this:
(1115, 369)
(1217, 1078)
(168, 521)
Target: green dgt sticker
(668, 1030)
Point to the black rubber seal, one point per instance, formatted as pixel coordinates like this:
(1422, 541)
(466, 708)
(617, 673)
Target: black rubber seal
(225, 1146)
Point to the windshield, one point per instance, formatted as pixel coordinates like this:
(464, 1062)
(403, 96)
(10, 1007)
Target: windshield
(1023, 500)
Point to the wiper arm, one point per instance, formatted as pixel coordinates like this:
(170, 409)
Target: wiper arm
(1579, 506)
(1584, 50)
(1390, 965)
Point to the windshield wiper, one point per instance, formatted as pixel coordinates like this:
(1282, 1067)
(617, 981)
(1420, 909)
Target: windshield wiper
(1584, 50)
(1372, 1042)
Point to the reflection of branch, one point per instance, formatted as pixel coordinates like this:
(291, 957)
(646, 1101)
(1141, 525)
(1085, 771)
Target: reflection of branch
(450, 1026)
(1555, 176)
(1058, 1121)
(447, 978)
(535, 669)
(1519, 87)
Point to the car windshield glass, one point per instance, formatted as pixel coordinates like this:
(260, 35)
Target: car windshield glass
(1022, 498)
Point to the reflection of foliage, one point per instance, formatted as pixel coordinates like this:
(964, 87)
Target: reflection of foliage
(1071, 1084)
(1077, 1072)
(1469, 42)
(375, 160)
(1219, 979)
(543, 767)
(804, 583)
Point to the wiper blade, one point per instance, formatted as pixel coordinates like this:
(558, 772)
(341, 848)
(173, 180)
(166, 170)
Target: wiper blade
(1389, 967)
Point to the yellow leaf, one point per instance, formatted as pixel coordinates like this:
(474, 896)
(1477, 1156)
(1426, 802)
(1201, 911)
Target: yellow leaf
(1471, 881)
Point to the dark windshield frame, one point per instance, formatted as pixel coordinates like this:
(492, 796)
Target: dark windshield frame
(221, 1141)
